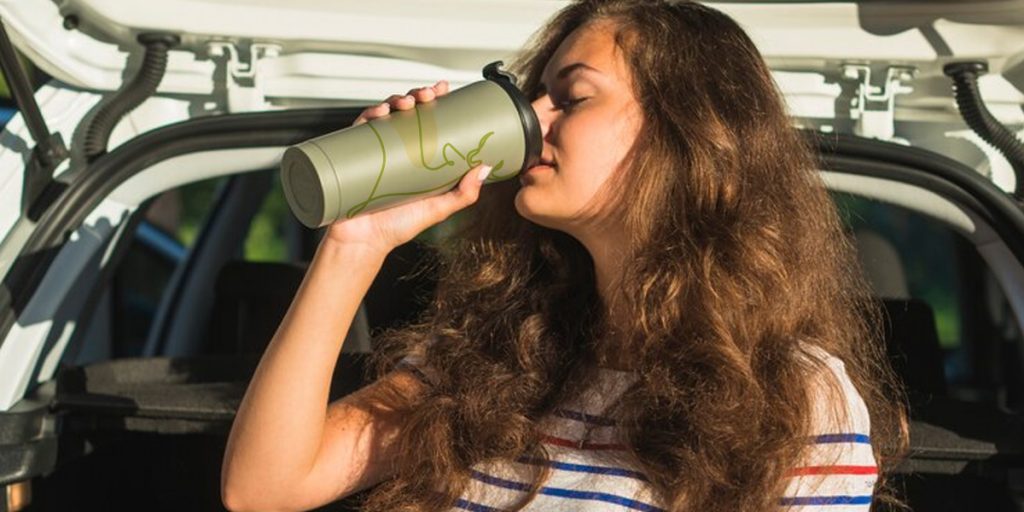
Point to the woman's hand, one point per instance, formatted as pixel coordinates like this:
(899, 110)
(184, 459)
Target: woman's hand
(386, 229)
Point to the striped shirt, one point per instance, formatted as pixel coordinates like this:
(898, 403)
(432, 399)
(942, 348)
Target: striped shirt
(590, 473)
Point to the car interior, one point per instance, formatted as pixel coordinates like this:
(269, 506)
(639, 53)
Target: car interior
(145, 425)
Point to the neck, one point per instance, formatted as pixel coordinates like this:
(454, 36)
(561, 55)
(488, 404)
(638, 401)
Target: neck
(609, 260)
(608, 255)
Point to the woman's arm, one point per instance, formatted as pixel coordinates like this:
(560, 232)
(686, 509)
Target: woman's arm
(289, 450)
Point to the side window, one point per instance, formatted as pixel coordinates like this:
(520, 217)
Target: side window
(170, 225)
(908, 255)
(276, 235)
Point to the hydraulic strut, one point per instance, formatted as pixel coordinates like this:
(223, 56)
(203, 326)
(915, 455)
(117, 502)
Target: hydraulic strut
(49, 150)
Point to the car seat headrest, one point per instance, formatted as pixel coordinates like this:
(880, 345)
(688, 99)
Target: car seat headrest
(251, 298)
(882, 264)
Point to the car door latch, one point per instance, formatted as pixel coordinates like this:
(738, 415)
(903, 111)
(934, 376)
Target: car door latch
(243, 84)
(872, 105)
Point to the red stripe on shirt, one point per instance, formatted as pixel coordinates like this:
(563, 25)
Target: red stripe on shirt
(835, 470)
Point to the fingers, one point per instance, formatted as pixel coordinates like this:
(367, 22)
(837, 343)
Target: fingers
(372, 112)
(462, 195)
(441, 87)
(468, 190)
(393, 102)
(423, 94)
(430, 93)
(403, 102)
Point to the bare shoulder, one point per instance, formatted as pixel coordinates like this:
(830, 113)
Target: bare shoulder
(358, 434)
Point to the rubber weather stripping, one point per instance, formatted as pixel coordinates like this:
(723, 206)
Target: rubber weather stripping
(935, 172)
(88, 189)
(50, 149)
(131, 95)
(978, 118)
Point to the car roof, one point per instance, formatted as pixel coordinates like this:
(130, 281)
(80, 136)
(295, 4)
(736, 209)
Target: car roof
(363, 48)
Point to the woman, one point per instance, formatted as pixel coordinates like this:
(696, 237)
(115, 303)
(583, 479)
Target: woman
(663, 315)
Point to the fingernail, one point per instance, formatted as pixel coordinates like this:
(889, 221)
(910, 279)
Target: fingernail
(483, 173)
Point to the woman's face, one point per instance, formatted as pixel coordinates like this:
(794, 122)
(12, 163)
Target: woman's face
(589, 120)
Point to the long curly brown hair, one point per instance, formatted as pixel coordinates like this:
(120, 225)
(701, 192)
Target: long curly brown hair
(738, 262)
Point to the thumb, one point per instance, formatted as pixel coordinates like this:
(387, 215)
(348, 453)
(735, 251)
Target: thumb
(460, 196)
(470, 184)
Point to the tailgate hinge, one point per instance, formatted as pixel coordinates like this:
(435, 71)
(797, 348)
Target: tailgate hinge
(242, 81)
(873, 105)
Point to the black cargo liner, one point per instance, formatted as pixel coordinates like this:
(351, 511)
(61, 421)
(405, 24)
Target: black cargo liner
(201, 395)
(169, 395)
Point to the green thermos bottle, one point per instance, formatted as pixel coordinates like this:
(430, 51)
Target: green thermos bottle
(414, 153)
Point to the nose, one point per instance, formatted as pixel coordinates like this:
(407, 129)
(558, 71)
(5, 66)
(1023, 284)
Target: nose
(545, 114)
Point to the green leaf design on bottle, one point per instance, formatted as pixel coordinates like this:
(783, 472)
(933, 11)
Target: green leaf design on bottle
(469, 159)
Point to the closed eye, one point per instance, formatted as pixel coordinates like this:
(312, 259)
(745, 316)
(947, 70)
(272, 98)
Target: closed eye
(571, 103)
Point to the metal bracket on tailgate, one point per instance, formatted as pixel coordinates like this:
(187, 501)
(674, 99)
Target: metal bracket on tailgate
(873, 106)
(28, 439)
(244, 90)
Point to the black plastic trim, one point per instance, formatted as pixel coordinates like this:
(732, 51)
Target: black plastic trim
(980, 119)
(937, 173)
(132, 93)
(28, 442)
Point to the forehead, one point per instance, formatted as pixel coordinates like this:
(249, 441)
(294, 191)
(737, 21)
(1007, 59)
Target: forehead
(592, 44)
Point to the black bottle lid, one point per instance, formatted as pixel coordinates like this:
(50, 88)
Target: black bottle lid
(531, 125)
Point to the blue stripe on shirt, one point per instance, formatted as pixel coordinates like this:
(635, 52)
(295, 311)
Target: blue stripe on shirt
(583, 468)
(841, 438)
(567, 493)
(826, 500)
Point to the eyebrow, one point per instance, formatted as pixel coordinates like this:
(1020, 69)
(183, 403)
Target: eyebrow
(567, 70)
(564, 72)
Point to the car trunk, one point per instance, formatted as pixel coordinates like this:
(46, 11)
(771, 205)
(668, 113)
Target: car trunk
(140, 433)
(117, 418)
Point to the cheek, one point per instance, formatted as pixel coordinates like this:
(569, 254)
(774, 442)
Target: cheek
(611, 128)
(596, 146)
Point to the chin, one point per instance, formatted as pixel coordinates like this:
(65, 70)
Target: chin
(524, 206)
(518, 201)
(533, 213)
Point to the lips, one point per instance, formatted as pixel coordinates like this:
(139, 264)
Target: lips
(545, 163)
(540, 165)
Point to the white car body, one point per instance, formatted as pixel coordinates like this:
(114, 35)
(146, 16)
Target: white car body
(873, 69)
